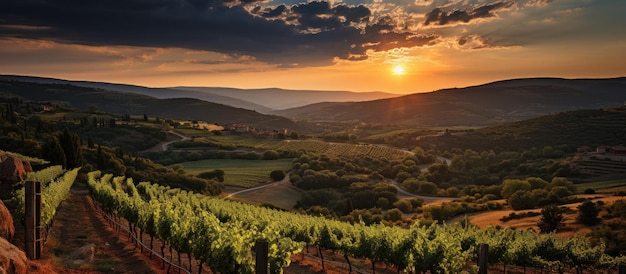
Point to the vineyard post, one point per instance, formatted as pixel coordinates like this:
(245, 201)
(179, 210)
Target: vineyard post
(261, 249)
(32, 220)
(482, 259)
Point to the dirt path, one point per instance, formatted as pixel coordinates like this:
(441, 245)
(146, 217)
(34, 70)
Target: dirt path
(172, 137)
(78, 224)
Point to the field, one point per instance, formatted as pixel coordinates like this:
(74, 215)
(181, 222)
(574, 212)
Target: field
(311, 145)
(282, 195)
(492, 218)
(604, 187)
(241, 173)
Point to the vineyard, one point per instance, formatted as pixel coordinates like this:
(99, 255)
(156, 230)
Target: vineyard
(56, 184)
(220, 234)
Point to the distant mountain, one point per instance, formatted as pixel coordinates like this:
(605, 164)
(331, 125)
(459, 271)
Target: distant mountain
(123, 102)
(487, 104)
(162, 93)
(277, 99)
(261, 100)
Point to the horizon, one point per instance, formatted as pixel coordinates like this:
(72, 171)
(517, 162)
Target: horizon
(399, 47)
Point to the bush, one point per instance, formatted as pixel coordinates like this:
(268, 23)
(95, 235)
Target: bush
(277, 175)
(589, 191)
(588, 213)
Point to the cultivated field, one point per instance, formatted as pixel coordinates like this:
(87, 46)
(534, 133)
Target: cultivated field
(240, 173)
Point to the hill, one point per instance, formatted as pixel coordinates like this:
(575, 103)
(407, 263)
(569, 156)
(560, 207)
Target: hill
(595, 127)
(277, 98)
(482, 105)
(136, 104)
(261, 100)
(161, 93)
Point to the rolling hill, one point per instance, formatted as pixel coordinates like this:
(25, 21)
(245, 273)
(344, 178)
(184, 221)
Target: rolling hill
(161, 93)
(572, 129)
(277, 99)
(135, 104)
(260, 100)
(482, 105)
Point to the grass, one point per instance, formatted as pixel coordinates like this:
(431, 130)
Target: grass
(240, 173)
(280, 195)
(604, 186)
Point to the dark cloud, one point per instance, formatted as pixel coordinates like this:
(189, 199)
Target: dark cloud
(441, 17)
(312, 33)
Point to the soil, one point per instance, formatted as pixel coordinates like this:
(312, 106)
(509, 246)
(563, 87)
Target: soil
(78, 223)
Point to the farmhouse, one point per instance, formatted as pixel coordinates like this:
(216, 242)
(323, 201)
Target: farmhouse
(621, 150)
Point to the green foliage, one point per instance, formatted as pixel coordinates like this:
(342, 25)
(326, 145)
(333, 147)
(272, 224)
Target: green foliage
(511, 186)
(588, 213)
(277, 175)
(551, 219)
(270, 155)
(216, 174)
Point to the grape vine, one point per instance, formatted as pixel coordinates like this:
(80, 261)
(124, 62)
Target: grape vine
(220, 233)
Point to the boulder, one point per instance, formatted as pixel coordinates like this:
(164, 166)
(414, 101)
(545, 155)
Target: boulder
(13, 170)
(7, 229)
(85, 253)
(12, 259)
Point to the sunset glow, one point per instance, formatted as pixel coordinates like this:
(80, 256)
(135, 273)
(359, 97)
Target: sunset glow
(314, 45)
(399, 70)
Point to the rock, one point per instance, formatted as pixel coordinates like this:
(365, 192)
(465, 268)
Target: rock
(7, 229)
(12, 170)
(12, 259)
(84, 253)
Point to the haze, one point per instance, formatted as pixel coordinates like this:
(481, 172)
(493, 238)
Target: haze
(392, 46)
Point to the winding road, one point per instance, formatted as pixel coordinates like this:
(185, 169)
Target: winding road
(427, 199)
(182, 138)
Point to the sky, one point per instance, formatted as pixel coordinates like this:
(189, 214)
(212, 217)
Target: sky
(378, 45)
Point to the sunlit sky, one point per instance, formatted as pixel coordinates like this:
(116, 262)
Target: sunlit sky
(379, 45)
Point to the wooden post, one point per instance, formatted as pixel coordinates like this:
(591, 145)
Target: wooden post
(32, 208)
(482, 259)
(261, 249)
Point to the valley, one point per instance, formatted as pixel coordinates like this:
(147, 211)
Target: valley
(356, 173)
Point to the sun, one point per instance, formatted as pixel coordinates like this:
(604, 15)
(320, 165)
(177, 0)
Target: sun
(398, 70)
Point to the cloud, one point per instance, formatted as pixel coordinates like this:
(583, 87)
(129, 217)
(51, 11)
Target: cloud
(440, 17)
(306, 34)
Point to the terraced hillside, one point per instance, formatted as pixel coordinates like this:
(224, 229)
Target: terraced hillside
(598, 167)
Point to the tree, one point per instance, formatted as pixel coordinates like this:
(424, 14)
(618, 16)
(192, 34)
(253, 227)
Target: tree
(52, 151)
(216, 174)
(510, 186)
(427, 188)
(522, 200)
(393, 215)
(551, 219)
(90, 143)
(270, 155)
(588, 213)
(100, 163)
(277, 175)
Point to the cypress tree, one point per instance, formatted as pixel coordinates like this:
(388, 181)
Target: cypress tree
(53, 152)
(70, 142)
